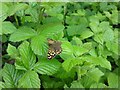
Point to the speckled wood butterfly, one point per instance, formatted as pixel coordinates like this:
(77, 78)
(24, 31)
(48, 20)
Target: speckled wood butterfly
(54, 48)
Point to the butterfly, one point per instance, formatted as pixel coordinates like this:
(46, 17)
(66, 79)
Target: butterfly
(54, 48)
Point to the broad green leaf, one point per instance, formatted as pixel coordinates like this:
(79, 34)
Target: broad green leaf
(8, 27)
(10, 76)
(22, 33)
(29, 80)
(67, 50)
(12, 51)
(26, 55)
(39, 42)
(50, 29)
(77, 84)
(112, 80)
(86, 34)
(17, 7)
(95, 74)
(104, 25)
(99, 61)
(39, 45)
(70, 63)
(47, 67)
(75, 29)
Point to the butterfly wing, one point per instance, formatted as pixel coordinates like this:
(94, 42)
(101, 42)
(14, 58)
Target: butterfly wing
(51, 53)
(54, 48)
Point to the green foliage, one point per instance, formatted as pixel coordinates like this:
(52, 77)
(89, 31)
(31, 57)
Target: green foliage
(29, 80)
(47, 67)
(89, 36)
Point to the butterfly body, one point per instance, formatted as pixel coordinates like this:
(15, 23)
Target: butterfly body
(54, 48)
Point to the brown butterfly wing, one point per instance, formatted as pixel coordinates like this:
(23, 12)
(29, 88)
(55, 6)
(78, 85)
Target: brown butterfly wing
(54, 48)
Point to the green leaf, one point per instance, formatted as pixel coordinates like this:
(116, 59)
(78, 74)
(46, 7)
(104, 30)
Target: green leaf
(27, 58)
(3, 11)
(112, 80)
(112, 46)
(2, 85)
(17, 7)
(8, 27)
(70, 63)
(39, 45)
(67, 50)
(104, 6)
(86, 34)
(29, 80)
(79, 50)
(22, 33)
(10, 76)
(12, 51)
(114, 16)
(39, 42)
(99, 61)
(95, 74)
(76, 41)
(99, 38)
(86, 81)
(75, 29)
(94, 22)
(108, 35)
(47, 67)
(76, 84)
(50, 29)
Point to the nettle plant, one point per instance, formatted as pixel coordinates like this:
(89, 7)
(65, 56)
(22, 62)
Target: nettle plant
(59, 45)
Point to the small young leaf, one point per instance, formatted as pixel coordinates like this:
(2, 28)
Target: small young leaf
(12, 51)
